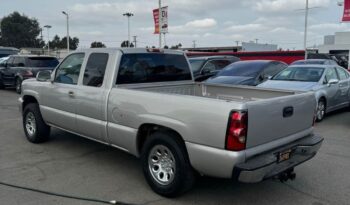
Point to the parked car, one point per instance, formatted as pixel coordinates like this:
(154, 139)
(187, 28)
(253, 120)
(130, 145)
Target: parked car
(315, 62)
(147, 104)
(251, 72)
(20, 67)
(330, 83)
(205, 67)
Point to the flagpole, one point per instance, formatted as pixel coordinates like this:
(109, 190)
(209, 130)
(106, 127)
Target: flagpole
(159, 23)
(305, 31)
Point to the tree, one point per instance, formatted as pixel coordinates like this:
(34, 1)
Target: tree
(126, 43)
(97, 44)
(20, 31)
(59, 43)
(176, 46)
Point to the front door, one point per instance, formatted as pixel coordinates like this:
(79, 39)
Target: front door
(59, 97)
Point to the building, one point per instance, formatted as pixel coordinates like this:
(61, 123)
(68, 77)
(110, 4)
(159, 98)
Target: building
(246, 46)
(252, 46)
(337, 44)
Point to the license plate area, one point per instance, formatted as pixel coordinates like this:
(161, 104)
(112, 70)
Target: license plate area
(284, 155)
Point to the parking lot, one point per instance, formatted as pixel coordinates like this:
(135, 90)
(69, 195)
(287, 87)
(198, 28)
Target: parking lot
(76, 166)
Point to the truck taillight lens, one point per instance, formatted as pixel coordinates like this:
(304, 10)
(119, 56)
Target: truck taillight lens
(237, 130)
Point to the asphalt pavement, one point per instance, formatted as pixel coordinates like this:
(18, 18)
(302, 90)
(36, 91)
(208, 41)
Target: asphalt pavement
(72, 165)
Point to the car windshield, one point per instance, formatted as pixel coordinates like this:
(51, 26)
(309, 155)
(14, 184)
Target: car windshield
(306, 74)
(246, 69)
(42, 62)
(196, 64)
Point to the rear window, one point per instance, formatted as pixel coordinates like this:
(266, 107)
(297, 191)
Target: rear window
(246, 69)
(42, 62)
(153, 67)
(307, 74)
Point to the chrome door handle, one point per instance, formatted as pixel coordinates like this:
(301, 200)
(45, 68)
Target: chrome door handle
(71, 94)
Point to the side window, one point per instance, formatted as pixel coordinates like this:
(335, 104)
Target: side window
(273, 69)
(15, 62)
(343, 75)
(209, 67)
(68, 72)
(330, 74)
(220, 64)
(95, 69)
(21, 62)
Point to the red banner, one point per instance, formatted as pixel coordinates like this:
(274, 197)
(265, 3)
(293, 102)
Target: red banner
(156, 21)
(346, 15)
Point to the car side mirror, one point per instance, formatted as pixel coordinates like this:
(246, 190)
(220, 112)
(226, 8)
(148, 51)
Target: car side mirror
(43, 76)
(205, 71)
(333, 82)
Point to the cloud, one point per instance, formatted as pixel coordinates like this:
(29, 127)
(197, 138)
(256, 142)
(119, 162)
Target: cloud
(203, 23)
(282, 6)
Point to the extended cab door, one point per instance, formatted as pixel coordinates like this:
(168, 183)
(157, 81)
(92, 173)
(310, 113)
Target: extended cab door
(59, 97)
(91, 97)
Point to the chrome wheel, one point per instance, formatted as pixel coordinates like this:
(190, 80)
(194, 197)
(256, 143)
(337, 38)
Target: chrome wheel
(30, 124)
(321, 110)
(161, 163)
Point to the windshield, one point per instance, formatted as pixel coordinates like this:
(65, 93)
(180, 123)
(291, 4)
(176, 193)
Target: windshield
(246, 69)
(42, 62)
(306, 74)
(196, 64)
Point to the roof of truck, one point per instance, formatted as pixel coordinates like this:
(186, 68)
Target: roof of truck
(132, 50)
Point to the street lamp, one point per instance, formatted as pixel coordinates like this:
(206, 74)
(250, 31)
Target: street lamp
(128, 15)
(66, 14)
(48, 38)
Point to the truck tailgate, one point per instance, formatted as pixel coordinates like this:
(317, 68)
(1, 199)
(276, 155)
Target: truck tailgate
(275, 118)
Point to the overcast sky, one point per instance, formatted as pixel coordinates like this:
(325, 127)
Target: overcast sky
(209, 22)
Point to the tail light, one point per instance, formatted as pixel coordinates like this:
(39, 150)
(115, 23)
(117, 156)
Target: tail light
(237, 129)
(27, 73)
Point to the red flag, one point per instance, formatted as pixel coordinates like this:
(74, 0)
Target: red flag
(346, 15)
(156, 21)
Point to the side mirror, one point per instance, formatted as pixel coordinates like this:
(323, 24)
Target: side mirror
(43, 76)
(333, 82)
(205, 71)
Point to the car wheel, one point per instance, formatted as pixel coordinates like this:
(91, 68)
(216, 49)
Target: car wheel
(321, 110)
(18, 85)
(165, 164)
(35, 129)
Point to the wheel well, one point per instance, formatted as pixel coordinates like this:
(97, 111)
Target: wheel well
(324, 99)
(146, 130)
(27, 99)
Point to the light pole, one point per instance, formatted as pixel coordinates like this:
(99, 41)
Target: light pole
(66, 14)
(305, 30)
(128, 15)
(48, 38)
(159, 22)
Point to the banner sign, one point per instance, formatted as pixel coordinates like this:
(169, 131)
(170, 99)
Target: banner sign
(346, 15)
(161, 20)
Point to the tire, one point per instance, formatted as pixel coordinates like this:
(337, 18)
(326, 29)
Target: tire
(18, 85)
(164, 176)
(2, 86)
(321, 110)
(35, 129)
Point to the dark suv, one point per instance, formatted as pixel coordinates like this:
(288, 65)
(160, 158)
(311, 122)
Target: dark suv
(206, 67)
(21, 67)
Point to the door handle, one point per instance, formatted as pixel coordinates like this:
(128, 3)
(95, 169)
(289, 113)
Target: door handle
(71, 94)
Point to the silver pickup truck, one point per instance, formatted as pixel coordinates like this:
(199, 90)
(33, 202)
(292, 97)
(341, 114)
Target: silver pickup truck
(145, 102)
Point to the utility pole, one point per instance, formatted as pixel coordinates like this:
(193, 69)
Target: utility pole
(256, 40)
(128, 15)
(159, 24)
(66, 14)
(164, 39)
(305, 30)
(194, 44)
(48, 38)
(135, 41)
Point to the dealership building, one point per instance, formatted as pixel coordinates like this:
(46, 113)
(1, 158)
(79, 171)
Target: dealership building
(339, 43)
